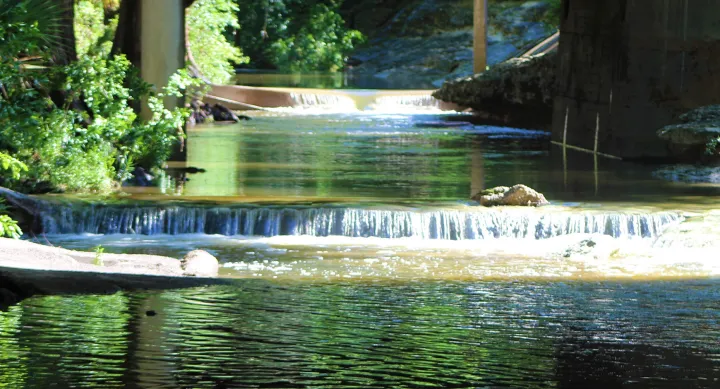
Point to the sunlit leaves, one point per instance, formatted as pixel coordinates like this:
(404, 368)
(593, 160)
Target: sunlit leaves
(207, 21)
(320, 45)
(12, 165)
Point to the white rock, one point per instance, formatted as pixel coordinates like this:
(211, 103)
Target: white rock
(200, 263)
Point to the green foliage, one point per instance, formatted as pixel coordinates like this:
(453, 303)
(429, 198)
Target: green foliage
(90, 137)
(99, 250)
(38, 22)
(295, 35)
(713, 146)
(93, 36)
(8, 227)
(321, 44)
(12, 165)
(552, 16)
(207, 22)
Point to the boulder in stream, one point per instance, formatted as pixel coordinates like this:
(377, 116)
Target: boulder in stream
(689, 140)
(200, 263)
(517, 93)
(518, 195)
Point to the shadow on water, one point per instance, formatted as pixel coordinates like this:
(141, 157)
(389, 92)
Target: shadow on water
(371, 335)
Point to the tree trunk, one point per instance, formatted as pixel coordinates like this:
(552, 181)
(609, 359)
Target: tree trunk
(127, 35)
(66, 52)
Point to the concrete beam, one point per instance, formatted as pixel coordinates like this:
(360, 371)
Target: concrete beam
(480, 36)
(628, 68)
(162, 42)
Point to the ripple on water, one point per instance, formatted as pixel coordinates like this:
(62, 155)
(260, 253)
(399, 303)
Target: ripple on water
(374, 335)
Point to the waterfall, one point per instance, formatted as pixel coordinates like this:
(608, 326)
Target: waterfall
(450, 224)
(329, 101)
(385, 103)
(358, 100)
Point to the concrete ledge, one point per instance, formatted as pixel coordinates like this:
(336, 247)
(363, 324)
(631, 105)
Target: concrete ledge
(28, 269)
(17, 284)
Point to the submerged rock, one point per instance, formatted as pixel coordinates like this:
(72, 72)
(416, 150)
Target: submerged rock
(518, 195)
(584, 247)
(517, 93)
(690, 134)
(210, 113)
(200, 263)
(689, 173)
(689, 139)
(708, 113)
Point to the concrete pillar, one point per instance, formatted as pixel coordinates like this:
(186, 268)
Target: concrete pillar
(629, 67)
(162, 43)
(480, 36)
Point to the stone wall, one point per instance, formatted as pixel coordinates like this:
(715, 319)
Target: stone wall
(630, 67)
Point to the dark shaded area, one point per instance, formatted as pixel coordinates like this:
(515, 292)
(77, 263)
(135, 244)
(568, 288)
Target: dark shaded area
(18, 284)
(588, 364)
(629, 68)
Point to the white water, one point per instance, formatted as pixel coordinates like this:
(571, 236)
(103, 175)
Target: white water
(365, 101)
(445, 224)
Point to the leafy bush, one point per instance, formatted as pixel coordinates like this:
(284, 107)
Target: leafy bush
(295, 35)
(320, 45)
(713, 146)
(207, 21)
(93, 36)
(8, 227)
(87, 137)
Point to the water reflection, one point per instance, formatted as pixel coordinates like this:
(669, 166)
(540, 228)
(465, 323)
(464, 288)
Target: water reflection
(429, 334)
(423, 157)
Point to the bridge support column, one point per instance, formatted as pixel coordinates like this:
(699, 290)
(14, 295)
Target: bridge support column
(480, 36)
(163, 42)
(627, 68)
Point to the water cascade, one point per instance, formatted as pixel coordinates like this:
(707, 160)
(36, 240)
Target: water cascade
(335, 102)
(449, 224)
(367, 100)
(395, 102)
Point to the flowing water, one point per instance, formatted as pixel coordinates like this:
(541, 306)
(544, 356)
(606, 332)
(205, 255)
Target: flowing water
(361, 262)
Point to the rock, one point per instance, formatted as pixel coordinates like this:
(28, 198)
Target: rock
(518, 195)
(689, 173)
(708, 113)
(688, 141)
(142, 177)
(592, 247)
(209, 113)
(690, 134)
(516, 93)
(200, 263)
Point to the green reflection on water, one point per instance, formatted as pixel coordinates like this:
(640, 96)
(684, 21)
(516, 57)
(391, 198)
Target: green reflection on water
(12, 356)
(364, 157)
(417, 334)
(81, 339)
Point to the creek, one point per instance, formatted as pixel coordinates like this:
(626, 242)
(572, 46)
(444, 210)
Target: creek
(361, 262)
